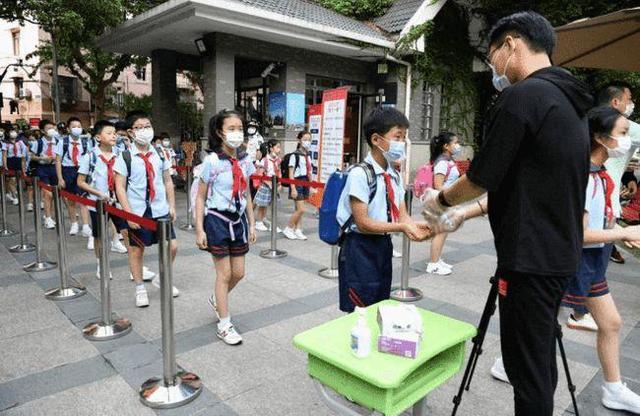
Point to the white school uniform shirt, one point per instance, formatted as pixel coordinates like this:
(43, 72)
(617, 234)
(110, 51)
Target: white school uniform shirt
(301, 170)
(66, 159)
(46, 144)
(99, 176)
(616, 166)
(137, 187)
(217, 173)
(358, 187)
(440, 167)
(595, 205)
(10, 149)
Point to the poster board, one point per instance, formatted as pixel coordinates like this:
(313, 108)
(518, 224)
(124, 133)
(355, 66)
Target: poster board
(315, 128)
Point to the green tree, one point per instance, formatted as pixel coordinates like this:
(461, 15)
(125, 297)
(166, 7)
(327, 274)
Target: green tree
(130, 102)
(74, 27)
(358, 9)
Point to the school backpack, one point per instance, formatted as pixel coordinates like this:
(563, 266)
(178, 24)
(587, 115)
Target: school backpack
(284, 165)
(424, 178)
(329, 229)
(197, 172)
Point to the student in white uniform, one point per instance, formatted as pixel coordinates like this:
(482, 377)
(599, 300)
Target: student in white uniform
(300, 169)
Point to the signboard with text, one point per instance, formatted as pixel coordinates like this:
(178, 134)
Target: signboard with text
(334, 106)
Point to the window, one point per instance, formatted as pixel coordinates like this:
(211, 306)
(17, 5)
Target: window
(18, 85)
(316, 84)
(68, 90)
(141, 73)
(15, 41)
(427, 111)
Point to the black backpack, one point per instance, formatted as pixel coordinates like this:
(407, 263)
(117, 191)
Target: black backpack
(284, 166)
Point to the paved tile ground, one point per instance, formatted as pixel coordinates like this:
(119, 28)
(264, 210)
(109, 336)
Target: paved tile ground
(48, 368)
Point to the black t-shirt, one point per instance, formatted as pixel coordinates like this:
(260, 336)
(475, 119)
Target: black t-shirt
(534, 162)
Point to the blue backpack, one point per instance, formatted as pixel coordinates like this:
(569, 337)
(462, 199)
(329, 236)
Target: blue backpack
(330, 230)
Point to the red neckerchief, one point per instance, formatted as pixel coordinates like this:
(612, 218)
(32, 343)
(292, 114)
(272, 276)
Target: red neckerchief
(239, 181)
(50, 148)
(395, 212)
(75, 153)
(15, 149)
(150, 173)
(109, 164)
(609, 185)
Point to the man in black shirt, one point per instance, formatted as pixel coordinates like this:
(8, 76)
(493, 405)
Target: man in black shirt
(534, 163)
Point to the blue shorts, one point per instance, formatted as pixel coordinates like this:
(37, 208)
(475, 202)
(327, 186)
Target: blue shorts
(364, 270)
(47, 174)
(590, 281)
(142, 237)
(70, 176)
(118, 222)
(227, 237)
(303, 191)
(14, 164)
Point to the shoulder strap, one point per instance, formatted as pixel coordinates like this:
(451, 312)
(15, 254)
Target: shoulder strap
(65, 146)
(126, 156)
(371, 178)
(40, 146)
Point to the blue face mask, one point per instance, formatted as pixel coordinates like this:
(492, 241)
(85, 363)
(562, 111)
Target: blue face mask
(501, 82)
(396, 151)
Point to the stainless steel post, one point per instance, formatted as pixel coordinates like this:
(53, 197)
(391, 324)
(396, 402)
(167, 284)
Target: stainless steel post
(273, 252)
(24, 246)
(188, 226)
(41, 264)
(4, 230)
(404, 293)
(65, 291)
(332, 271)
(107, 328)
(175, 388)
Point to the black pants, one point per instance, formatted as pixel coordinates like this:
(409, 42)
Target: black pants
(528, 317)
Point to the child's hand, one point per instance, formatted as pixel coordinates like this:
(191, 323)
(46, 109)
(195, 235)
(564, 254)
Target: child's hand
(412, 231)
(252, 234)
(294, 192)
(201, 239)
(425, 229)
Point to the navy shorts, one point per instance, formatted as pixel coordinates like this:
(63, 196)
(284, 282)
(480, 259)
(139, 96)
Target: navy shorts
(142, 237)
(303, 191)
(118, 222)
(14, 164)
(227, 238)
(590, 281)
(70, 176)
(47, 174)
(364, 270)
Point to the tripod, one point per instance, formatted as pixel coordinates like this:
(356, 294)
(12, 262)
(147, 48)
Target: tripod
(476, 351)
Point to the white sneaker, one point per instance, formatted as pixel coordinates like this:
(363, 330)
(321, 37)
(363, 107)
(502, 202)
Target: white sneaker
(156, 283)
(498, 372)
(585, 323)
(30, 207)
(120, 237)
(397, 254)
(86, 231)
(299, 234)
(74, 228)
(214, 306)
(261, 227)
(49, 223)
(278, 230)
(623, 399)
(229, 335)
(9, 197)
(118, 247)
(290, 234)
(98, 273)
(41, 205)
(146, 274)
(15, 201)
(437, 268)
(447, 265)
(90, 243)
(142, 299)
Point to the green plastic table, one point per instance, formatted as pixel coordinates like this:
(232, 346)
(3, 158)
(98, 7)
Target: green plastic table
(385, 383)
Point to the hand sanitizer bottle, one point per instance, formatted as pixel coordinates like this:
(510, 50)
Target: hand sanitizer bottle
(361, 336)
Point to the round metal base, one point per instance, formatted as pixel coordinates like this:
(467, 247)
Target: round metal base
(7, 233)
(22, 248)
(273, 254)
(406, 295)
(99, 331)
(328, 273)
(154, 393)
(71, 292)
(40, 266)
(187, 227)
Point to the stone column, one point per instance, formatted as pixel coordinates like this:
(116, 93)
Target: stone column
(164, 91)
(218, 68)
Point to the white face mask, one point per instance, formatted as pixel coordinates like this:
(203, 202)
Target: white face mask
(624, 144)
(144, 136)
(234, 139)
(306, 144)
(52, 133)
(456, 150)
(501, 82)
(13, 135)
(76, 131)
(629, 109)
(166, 143)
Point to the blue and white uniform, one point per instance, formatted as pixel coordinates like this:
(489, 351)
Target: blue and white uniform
(447, 167)
(15, 151)
(66, 148)
(45, 171)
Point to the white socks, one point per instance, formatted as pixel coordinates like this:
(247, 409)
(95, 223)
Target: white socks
(613, 388)
(224, 322)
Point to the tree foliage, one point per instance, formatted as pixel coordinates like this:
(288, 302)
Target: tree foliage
(358, 9)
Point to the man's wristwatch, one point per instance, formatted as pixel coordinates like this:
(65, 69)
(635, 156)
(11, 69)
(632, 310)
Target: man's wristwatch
(443, 201)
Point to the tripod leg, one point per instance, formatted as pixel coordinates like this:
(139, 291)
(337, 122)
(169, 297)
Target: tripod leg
(476, 351)
(565, 363)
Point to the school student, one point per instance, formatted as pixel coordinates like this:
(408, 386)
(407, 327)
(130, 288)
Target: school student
(300, 169)
(445, 172)
(144, 188)
(43, 155)
(97, 178)
(14, 159)
(224, 213)
(69, 150)
(371, 207)
(268, 166)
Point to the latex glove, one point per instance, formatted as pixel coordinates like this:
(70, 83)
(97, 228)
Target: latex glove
(432, 208)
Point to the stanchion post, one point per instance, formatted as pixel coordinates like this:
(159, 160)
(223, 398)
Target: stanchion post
(175, 388)
(24, 246)
(107, 328)
(273, 252)
(188, 226)
(4, 231)
(41, 264)
(65, 291)
(404, 293)
(332, 271)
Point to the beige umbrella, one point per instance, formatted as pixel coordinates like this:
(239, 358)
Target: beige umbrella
(610, 41)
